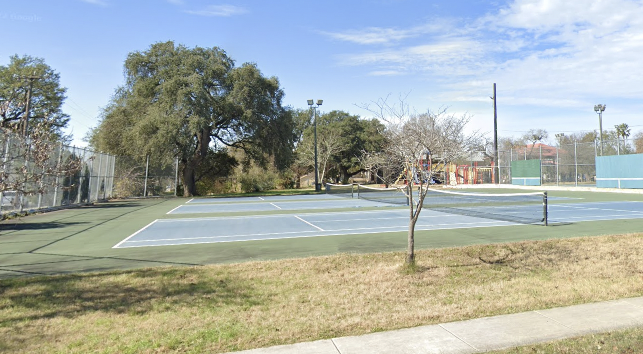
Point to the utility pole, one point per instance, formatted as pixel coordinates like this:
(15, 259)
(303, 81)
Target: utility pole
(25, 120)
(495, 136)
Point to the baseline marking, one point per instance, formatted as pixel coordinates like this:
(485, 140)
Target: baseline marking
(136, 233)
(169, 212)
(310, 234)
(275, 205)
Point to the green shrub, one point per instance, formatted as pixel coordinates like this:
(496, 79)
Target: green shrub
(257, 180)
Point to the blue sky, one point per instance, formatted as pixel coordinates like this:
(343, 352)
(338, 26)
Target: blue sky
(552, 60)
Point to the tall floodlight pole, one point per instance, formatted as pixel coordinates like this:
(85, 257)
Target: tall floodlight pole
(314, 109)
(559, 139)
(600, 108)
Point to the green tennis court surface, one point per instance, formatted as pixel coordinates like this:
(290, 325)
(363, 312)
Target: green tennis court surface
(144, 233)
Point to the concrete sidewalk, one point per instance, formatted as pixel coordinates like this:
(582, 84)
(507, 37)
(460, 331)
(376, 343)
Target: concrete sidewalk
(482, 334)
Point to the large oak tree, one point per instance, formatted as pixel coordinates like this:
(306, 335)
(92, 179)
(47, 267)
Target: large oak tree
(192, 104)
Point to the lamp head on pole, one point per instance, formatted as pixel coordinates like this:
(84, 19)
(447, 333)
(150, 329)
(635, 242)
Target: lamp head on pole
(319, 102)
(310, 102)
(599, 108)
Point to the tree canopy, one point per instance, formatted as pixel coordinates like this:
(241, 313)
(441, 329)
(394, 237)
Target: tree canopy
(191, 104)
(342, 139)
(28, 79)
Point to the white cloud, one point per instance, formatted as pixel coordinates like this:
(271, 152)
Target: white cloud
(96, 2)
(219, 11)
(386, 73)
(541, 52)
(373, 35)
(459, 56)
(379, 35)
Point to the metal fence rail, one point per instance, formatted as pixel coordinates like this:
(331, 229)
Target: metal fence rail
(28, 179)
(572, 163)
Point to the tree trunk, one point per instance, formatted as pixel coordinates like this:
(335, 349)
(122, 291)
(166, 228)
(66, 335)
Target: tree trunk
(410, 250)
(189, 183)
(189, 171)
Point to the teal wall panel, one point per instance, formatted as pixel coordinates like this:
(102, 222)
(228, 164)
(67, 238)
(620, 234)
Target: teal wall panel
(624, 171)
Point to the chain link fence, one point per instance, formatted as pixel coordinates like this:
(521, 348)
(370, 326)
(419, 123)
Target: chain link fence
(568, 163)
(36, 175)
(148, 179)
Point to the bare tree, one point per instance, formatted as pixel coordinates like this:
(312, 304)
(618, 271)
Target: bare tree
(533, 136)
(328, 144)
(416, 140)
(638, 141)
(32, 165)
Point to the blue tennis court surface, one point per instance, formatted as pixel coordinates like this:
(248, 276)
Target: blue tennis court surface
(232, 229)
(228, 205)
(304, 221)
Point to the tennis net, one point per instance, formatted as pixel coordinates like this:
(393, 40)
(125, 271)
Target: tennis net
(342, 190)
(525, 208)
(383, 195)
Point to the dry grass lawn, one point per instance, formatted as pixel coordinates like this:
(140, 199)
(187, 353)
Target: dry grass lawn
(222, 308)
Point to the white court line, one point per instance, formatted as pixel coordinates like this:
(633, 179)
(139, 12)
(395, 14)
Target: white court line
(260, 198)
(594, 208)
(335, 233)
(169, 212)
(279, 215)
(315, 226)
(275, 205)
(189, 201)
(222, 236)
(134, 234)
(353, 230)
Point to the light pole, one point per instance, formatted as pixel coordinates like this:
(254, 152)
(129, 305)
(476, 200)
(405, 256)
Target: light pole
(314, 109)
(559, 138)
(495, 137)
(600, 108)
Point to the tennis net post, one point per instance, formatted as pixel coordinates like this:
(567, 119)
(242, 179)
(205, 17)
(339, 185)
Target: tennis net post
(545, 214)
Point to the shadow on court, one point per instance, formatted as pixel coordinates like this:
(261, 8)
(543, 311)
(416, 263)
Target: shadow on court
(79, 240)
(68, 296)
(22, 226)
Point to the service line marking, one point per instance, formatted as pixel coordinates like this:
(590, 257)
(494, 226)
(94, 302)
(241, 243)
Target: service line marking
(313, 225)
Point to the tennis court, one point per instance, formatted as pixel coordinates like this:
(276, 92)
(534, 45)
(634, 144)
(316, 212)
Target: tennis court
(256, 204)
(140, 233)
(377, 218)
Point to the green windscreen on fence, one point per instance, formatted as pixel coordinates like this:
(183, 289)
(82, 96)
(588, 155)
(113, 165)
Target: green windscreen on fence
(525, 172)
(624, 171)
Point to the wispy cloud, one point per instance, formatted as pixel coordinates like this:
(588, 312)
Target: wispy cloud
(556, 51)
(373, 35)
(459, 56)
(176, 2)
(379, 35)
(386, 73)
(219, 11)
(96, 2)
